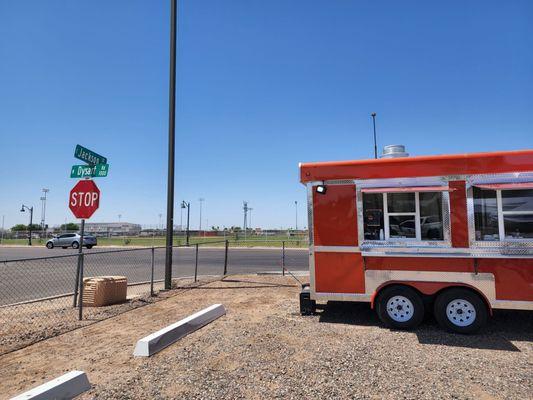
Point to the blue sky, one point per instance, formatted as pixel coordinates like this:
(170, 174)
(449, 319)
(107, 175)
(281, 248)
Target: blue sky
(262, 85)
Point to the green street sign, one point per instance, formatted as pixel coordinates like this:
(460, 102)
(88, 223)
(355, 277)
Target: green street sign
(92, 171)
(90, 157)
(100, 170)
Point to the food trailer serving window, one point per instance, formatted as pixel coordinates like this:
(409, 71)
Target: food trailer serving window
(403, 213)
(503, 211)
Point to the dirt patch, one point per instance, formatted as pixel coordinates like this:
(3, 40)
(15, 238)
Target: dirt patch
(263, 348)
(25, 324)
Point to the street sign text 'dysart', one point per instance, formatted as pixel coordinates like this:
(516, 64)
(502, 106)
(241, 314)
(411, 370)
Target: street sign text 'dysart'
(92, 171)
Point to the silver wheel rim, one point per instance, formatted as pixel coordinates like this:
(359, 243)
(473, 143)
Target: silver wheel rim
(400, 309)
(461, 312)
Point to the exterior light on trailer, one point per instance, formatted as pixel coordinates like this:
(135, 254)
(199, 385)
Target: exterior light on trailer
(321, 189)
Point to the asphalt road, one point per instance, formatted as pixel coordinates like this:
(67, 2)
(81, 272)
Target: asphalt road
(35, 277)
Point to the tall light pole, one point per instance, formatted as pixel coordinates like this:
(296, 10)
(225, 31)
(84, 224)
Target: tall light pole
(251, 226)
(375, 140)
(245, 224)
(30, 209)
(201, 200)
(160, 221)
(296, 211)
(43, 210)
(171, 145)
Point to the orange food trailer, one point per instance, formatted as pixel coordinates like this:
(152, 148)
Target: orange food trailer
(449, 233)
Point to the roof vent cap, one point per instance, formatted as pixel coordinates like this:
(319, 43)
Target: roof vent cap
(394, 150)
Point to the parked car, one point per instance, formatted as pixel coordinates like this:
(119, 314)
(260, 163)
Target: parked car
(71, 240)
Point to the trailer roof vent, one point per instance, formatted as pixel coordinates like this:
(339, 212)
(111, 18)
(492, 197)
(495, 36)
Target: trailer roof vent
(394, 150)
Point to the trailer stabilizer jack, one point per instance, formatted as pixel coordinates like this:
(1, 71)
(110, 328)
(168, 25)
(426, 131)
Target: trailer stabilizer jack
(307, 306)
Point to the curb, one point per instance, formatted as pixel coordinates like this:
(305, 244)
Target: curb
(157, 341)
(66, 386)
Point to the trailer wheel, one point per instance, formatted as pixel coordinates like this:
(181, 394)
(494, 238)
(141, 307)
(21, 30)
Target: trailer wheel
(460, 310)
(400, 307)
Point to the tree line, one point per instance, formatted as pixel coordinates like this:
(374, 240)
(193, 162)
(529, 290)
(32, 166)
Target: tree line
(36, 227)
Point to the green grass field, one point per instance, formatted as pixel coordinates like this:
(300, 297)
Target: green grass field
(157, 241)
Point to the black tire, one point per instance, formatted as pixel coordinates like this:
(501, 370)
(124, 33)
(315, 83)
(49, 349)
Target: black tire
(49, 245)
(89, 246)
(75, 245)
(474, 312)
(405, 310)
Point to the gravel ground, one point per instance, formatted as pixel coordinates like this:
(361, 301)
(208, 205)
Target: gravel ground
(263, 348)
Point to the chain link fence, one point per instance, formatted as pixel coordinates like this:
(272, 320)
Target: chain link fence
(39, 297)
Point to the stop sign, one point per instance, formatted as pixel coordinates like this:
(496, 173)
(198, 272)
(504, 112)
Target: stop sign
(84, 199)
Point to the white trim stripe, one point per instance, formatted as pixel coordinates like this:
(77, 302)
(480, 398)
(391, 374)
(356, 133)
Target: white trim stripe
(513, 304)
(336, 249)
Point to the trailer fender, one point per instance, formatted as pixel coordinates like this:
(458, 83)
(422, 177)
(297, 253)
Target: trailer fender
(429, 289)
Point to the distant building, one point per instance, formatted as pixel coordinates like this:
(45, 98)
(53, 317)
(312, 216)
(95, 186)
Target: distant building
(112, 228)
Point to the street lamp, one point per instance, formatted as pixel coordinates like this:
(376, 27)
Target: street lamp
(43, 210)
(296, 211)
(30, 209)
(201, 200)
(186, 205)
(375, 141)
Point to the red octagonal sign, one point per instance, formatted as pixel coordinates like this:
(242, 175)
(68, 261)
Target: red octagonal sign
(84, 199)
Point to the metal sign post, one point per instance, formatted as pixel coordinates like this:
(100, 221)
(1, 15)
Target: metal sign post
(80, 267)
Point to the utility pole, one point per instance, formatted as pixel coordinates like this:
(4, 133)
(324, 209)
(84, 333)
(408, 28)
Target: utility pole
(296, 211)
(2, 237)
(43, 210)
(30, 209)
(171, 145)
(245, 209)
(201, 200)
(181, 219)
(375, 140)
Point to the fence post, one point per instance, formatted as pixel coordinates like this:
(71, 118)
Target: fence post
(152, 275)
(226, 258)
(196, 264)
(283, 258)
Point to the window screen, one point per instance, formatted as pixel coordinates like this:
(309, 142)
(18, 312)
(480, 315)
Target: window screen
(486, 214)
(517, 209)
(431, 224)
(373, 216)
